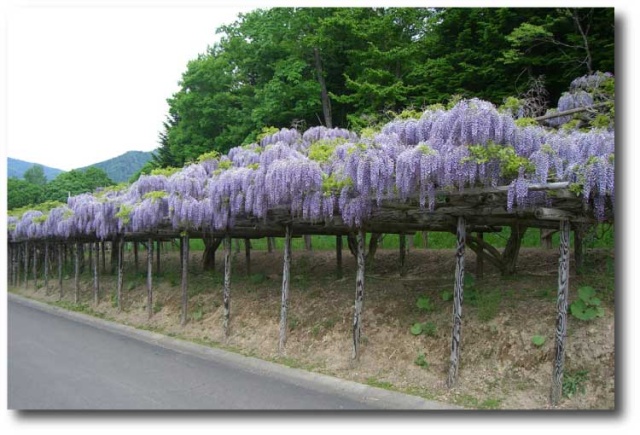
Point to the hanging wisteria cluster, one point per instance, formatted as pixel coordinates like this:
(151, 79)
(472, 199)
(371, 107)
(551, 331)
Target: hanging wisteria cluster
(323, 173)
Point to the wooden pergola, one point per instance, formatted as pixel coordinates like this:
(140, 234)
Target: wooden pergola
(474, 210)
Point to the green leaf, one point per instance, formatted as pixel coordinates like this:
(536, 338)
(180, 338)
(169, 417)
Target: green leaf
(424, 303)
(585, 293)
(538, 340)
(416, 329)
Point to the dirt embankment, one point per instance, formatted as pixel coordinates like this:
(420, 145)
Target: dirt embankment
(500, 365)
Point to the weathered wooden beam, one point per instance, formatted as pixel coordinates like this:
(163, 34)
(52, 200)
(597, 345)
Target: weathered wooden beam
(561, 316)
(357, 315)
(184, 248)
(96, 279)
(120, 260)
(158, 248)
(553, 214)
(104, 257)
(457, 304)
(76, 278)
(135, 255)
(285, 289)
(150, 278)
(569, 112)
(226, 292)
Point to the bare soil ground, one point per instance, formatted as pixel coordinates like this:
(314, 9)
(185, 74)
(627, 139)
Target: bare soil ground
(500, 366)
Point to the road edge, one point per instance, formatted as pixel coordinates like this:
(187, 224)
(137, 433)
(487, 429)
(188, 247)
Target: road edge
(378, 397)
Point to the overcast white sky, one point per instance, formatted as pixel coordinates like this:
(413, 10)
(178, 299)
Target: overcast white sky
(87, 84)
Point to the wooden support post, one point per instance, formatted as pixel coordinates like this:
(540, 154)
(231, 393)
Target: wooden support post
(80, 248)
(184, 258)
(104, 257)
(35, 267)
(26, 264)
(76, 278)
(480, 259)
(270, 244)
(308, 244)
(403, 252)
(90, 249)
(545, 238)
(339, 257)
(96, 280)
(425, 239)
(158, 247)
(285, 289)
(457, 303)
(149, 278)
(227, 286)
(120, 245)
(561, 316)
(46, 268)
(60, 255)
(237, 243)
(247, 255)
(357, 315)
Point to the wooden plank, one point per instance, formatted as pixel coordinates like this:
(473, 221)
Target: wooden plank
(285, 289)
(357, 316)
(457, 304)
(561, 316)
(227, 286)
(184, 249)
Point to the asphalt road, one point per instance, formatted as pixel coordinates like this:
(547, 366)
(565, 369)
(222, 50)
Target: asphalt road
(58, 363)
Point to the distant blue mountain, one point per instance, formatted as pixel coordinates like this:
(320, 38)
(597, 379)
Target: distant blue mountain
(121, 168)
(16, 169)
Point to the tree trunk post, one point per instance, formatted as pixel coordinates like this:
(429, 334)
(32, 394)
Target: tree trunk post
(115, 249)
(96, 280)
(211, 245)
(104, 258)
(247, 255)
(60, 255)
(285, 289)
(480, 259)
(545, 238)
(561, 317)
(26, 264)
(270, 244)
(158, 247)
(308, 244)
(120, 245)
(403, 252)
(35, 267)
(76, 277)
(457, 303)
(227, 286)
(339, 257)
(184, 248)
(357, 316)
(425, 239)
(149, 278)
(46, 268)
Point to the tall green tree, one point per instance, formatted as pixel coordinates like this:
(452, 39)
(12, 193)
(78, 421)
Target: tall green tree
(76, 182)
(21, 193)
(35, 175)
